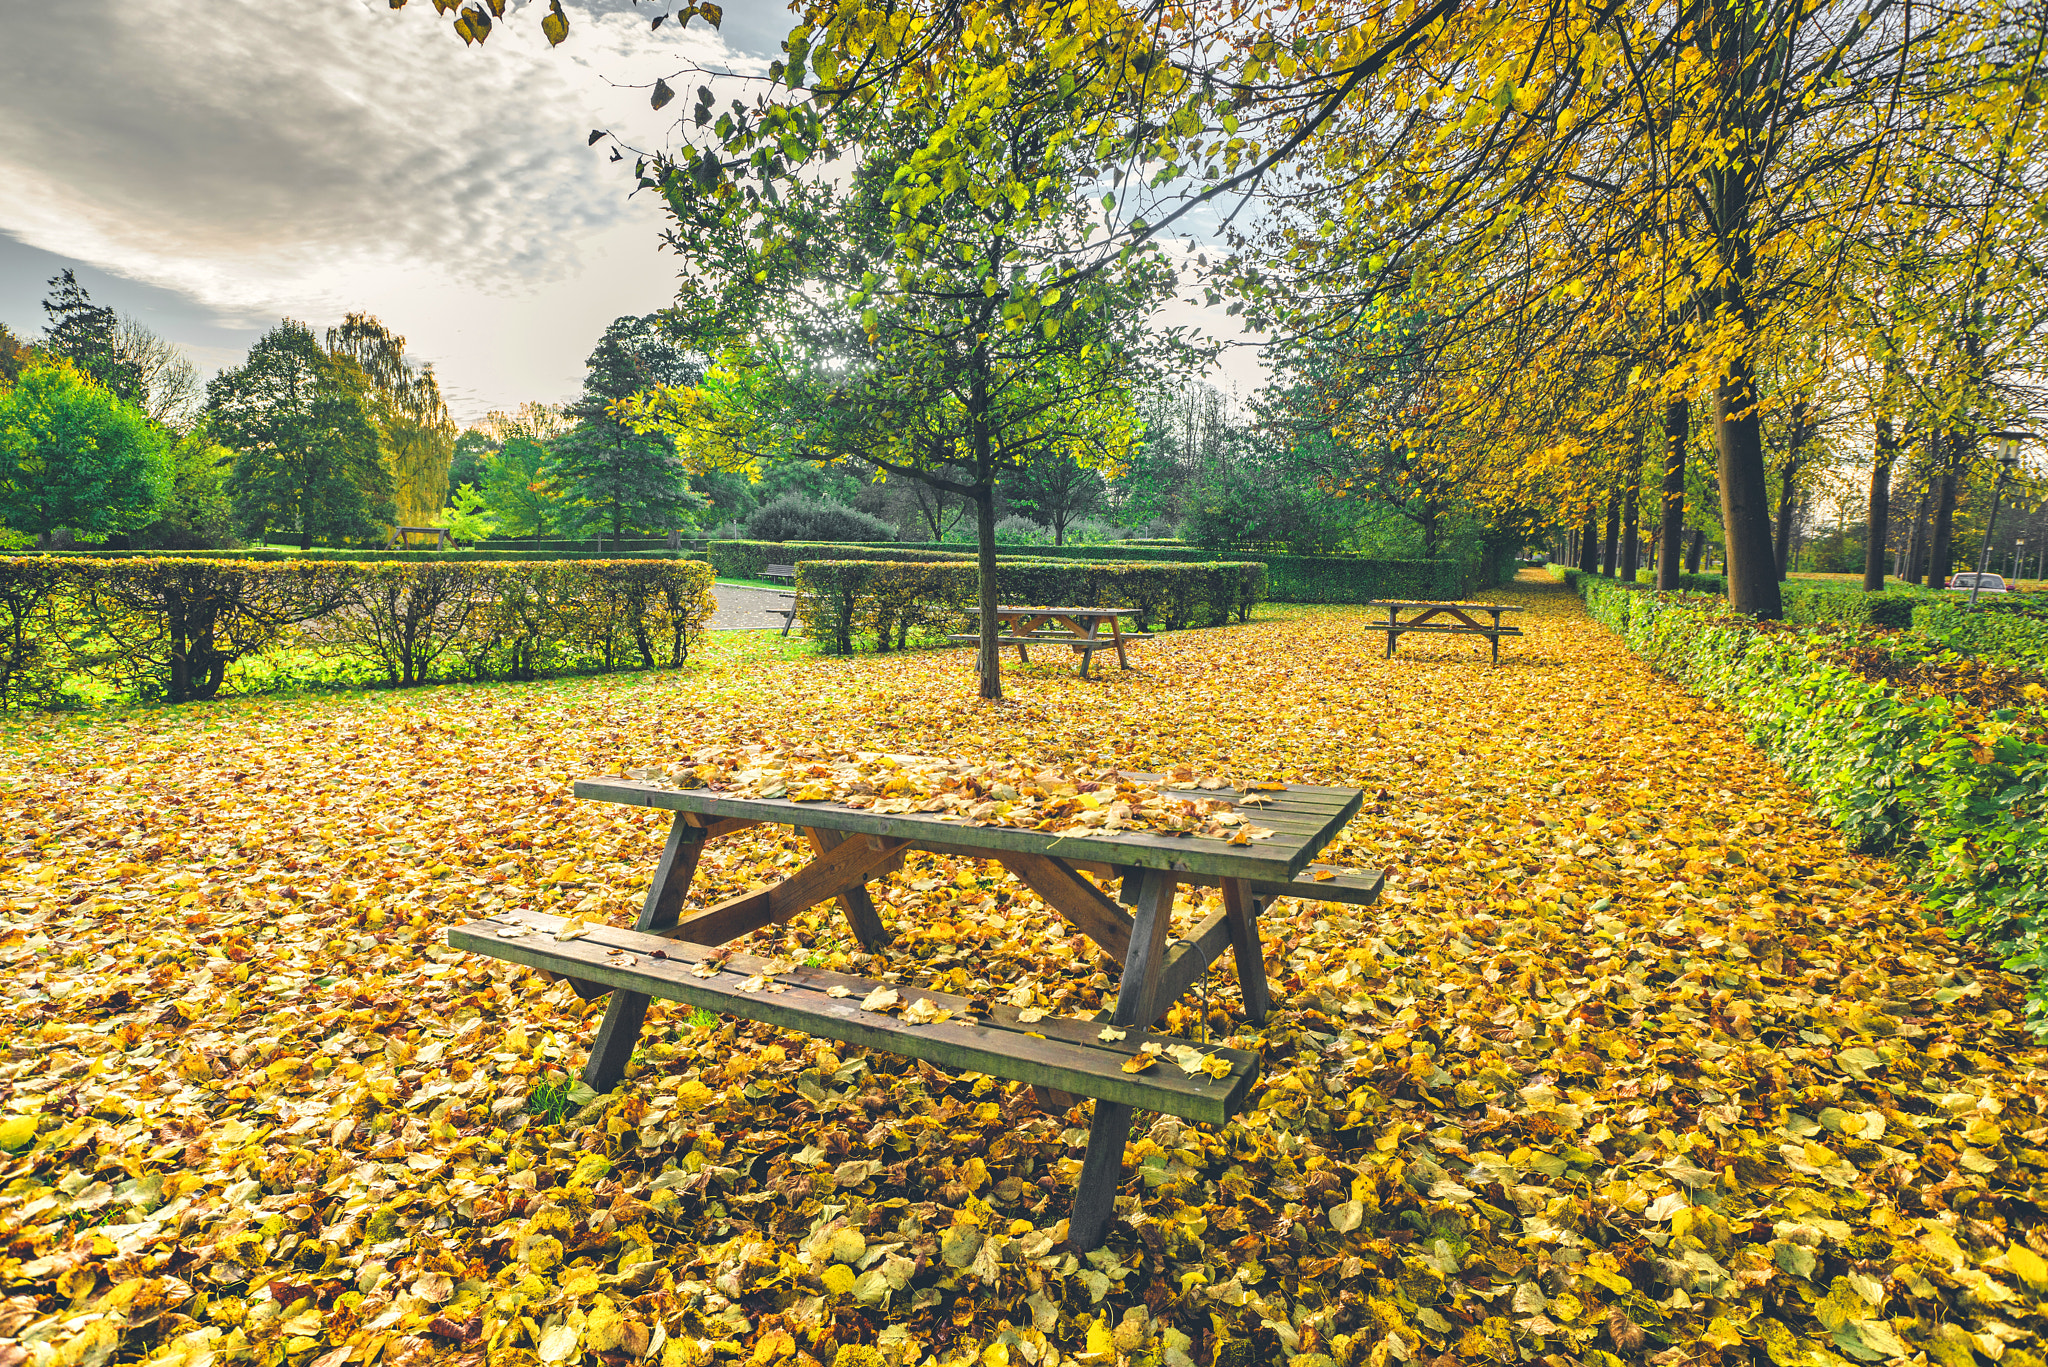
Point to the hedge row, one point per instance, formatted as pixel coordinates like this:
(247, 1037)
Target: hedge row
(2005, 637)
(1958, 795)
(1289, 578)
(290, 555)
(1806, 605)
(1687, 583)
(747, 559)
(170, 629)
(894, 602)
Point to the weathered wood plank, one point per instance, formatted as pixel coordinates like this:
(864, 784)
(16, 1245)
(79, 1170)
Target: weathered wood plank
(848, 865)
(1064, 1054)
(1073, 897)
(1187, 960)
(1279, 858)
(1243, 919)
(855, 902)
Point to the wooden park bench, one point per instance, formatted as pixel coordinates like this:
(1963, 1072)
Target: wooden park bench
(684, 955)
(401, 537)
(784, 574)
(1082, 630)
(1463, 625)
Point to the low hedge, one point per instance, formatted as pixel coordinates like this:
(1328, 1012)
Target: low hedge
(1807, 604)
(747, 559)
(171, 629)
(895, 602)
(1289, 578)
(1958, 794)
(289, 554)
(2004, 636)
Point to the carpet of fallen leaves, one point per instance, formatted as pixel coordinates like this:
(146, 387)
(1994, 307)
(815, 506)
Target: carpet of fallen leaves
(1631, 1062)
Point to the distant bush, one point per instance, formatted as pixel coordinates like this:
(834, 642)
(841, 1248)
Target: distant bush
(1022, 531)
(747, 559)
(2003, 636)
(796, 517)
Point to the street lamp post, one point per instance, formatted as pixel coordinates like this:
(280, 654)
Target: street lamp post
(2008, 461)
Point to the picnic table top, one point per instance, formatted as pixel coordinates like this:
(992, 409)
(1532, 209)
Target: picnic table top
(1483, 607)
(1065, 612)
(1302, 817)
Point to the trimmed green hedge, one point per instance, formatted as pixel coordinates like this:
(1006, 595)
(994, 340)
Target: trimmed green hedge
(2007, 637)
(1958, 796)
(747, 559)
(1289, 578)
(893, 603)
(287, 555)
(171, 629)
(1806, 604)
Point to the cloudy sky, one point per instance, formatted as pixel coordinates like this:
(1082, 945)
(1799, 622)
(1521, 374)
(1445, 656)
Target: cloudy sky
(212, 167)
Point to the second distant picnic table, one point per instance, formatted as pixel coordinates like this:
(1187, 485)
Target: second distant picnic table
(1462, 623)
(1084, 630)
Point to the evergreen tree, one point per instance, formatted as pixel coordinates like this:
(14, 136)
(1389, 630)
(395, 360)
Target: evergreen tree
(617, 477)
(307, 454)
(88, 336)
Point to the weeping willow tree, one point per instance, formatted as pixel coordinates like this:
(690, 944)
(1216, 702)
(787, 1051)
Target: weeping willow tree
(418, 436)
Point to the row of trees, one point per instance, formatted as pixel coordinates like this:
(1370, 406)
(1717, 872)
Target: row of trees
(1516, 256)
(106, 433)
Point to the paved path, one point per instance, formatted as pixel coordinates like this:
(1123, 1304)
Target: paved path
(741, 607)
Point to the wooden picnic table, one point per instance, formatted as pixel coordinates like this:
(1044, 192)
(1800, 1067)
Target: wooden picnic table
(402, 536)
(1082, 630)
(681, 955)
(1463, 625)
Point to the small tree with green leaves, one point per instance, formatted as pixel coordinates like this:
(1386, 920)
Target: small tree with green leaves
(72, 455)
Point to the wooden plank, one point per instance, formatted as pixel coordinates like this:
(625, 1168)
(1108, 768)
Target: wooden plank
(714, 827)
(1279, 858)
(855, 902)
(1064, 1054)
(1187, 960)
(1243, 919)
(1137, 1004)
(1073, 897)
(848, 865)
(623, 1014)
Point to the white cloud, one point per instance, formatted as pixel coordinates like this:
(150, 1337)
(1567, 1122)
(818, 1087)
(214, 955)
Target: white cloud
(318, 156)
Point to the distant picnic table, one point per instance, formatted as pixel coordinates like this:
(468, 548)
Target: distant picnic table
(681, 956)
(1462, 624)
(1082, 630)
(402, 537)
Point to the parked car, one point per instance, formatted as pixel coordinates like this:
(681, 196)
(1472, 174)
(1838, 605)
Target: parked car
(1983, 583)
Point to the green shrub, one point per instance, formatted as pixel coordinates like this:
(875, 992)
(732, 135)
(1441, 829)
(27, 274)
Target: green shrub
(747, 559)
(172, 629)
(1958, 796)
(798, 517)
(895, 602)
(481, 556)
(1806, 604)
(2007, 637)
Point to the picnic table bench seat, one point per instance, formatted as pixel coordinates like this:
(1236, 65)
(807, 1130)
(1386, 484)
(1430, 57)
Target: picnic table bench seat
(1084, 630)
(686, 955)
(1066, 1054)
(787, 612)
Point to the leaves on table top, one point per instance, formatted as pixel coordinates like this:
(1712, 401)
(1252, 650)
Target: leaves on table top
(1632, 1057)
(1021, 791)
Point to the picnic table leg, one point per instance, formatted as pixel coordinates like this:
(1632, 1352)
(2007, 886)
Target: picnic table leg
(1392, 635)
(1102, 1170)
(855, 902)
(1088, 652)
(1116, 632)
(1241, 915)
(626, 1012)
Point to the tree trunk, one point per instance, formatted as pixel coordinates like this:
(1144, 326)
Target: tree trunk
(1916, 539)
(1879, 530)
(1671, 529)
(1788, 510)
(1613, 534)
(1631, 530)
(1589, 541)
(1942, 559)
(1745, 496)
(306, 539)
(985, 534)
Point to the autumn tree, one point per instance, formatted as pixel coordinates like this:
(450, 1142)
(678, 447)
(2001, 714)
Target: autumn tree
(610, 472)
(417, 435)
(308, 460)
